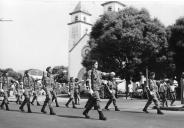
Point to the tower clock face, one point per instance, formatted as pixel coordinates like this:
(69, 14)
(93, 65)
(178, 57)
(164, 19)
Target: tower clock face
(85, 51)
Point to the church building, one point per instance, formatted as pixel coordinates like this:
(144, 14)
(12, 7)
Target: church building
(79, 32)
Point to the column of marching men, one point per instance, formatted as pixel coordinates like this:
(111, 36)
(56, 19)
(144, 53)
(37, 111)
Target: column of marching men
(30, 87)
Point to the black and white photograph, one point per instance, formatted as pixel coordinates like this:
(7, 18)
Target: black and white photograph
(91, 64)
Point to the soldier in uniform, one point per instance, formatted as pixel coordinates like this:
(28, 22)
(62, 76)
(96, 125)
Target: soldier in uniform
(77, 91)
(36, 92)
(5, 89)
(71, 93)
(48, 84)
(111, 87)
(27, 92)
(95, 76)
(152, 94)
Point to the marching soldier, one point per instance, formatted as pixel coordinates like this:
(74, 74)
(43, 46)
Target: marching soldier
(94, 76)
(111, 87)
(36, 92)
(27, 92)
(77, 91)
(71, 93)
(48, 84)
(152, 94)
(5, 89)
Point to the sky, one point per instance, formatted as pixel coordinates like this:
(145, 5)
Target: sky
(38, 34)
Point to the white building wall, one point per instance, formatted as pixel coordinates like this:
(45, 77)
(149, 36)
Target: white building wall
(75, 58)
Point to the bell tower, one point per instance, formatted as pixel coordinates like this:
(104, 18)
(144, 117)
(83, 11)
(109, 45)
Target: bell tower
(113, 6)
(79, 29)
(80, 24)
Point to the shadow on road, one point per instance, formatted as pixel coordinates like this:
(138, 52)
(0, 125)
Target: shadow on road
(70, 116)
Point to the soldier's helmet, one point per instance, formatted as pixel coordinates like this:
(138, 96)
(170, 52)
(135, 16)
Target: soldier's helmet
(48, 68)
(76, 79)
(26, 72)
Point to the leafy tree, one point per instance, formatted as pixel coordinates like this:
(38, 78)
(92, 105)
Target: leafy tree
(176, 44)
(130, 36)
(61, 74)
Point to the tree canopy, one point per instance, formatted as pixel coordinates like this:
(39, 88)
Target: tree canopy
(176, 43)
(130, 36)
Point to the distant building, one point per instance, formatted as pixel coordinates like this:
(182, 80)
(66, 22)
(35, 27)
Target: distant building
(79, 29)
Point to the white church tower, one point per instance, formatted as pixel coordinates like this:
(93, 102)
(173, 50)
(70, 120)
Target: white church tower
(113, 6)
(79, 29)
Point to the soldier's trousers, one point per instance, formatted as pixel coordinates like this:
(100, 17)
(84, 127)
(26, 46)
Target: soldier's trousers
(35, 97)
(26, 101)
(5, 101)
(54, 97)
(112, 98)
(77, 97)
(48, 101)
(152, 98)
(71, 99)
(93, 101)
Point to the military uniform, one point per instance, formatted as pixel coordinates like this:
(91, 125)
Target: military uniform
(111, 87)
(71, 93)
(27, 93)
(152, 90)
(48, 84)
(35, 93)
(5, 89)
(94, 76)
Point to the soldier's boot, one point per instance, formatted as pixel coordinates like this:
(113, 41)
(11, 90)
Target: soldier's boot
(38, 104)
(18, 99)
(145, 110)
(85, 113)
(52, 111)
(2, 105)
(22, 106)
(6, 104)
(159, 111)
(68, 102)
(7, 107)
(34, 98)
(57, 104)
(43, 108)
(107, 105)
(29, 107)
(73, 103)
(101, 116)
(146, 107)
(116, 108)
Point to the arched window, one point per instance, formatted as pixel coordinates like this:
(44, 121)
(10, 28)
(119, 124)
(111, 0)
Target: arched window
(76, 18)
(109, 8)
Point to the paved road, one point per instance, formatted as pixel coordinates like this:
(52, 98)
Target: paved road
(130, 116)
